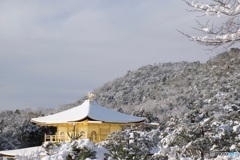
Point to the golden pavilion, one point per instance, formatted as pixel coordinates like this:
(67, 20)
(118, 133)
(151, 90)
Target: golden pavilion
(89, 119)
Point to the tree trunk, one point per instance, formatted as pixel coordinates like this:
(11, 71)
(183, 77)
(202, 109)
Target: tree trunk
(202, 155)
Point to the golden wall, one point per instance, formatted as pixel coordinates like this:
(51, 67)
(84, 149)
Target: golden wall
(96, 132)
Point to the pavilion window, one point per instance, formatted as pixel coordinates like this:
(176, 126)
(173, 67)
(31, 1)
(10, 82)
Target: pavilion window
(83, 134)
(62, 136)
(94, 135)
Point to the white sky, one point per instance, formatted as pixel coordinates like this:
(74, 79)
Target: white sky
(54, 52)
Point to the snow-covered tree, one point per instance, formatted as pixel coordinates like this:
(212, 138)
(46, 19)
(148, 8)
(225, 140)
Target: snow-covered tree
(75, 150)
(81, 151)
(51, 148)
(198, 134)
(130, 144)
(17, 131)
(222, 27)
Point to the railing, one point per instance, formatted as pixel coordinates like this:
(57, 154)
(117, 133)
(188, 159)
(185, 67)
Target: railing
(65, 138)
(59, 138)
(55, 138)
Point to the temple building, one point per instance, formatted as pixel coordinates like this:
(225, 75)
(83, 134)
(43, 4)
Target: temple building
(89, 119)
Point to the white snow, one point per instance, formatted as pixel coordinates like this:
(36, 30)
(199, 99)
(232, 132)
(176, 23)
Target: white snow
(238, 8)
(89, 109)
(63, 151)
(225, 37)
(236, 128)
(205, 121)
(206, 29)
(131, 135)
(23, 152)
(233, 147)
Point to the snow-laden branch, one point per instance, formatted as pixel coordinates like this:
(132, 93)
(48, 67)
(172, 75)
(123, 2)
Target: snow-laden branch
(217, 39)
(225, 34)
(217, 7)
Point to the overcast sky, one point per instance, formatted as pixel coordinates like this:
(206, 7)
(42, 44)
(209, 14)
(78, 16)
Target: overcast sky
(53, 52)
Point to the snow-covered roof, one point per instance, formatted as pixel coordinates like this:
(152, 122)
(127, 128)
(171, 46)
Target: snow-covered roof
(88, 110)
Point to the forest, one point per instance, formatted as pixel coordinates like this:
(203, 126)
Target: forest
(196, 104)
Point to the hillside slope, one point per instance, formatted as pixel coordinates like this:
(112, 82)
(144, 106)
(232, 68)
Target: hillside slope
(184, 89)
(173, 88)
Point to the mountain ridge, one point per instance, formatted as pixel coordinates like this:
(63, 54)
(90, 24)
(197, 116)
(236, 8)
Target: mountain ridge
(172, 88)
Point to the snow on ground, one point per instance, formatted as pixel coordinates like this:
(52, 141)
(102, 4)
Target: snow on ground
(23, 152)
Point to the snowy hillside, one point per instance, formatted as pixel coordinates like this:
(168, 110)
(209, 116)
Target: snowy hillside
(197, 105)
(173, 88)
